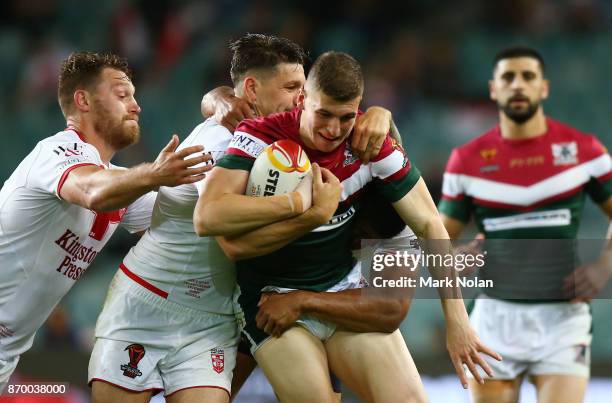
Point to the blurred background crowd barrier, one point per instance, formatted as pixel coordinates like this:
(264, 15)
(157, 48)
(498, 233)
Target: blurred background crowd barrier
(428, 61)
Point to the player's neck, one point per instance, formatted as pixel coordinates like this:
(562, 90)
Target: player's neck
(304, 134)
(534, 127)
(89, 135)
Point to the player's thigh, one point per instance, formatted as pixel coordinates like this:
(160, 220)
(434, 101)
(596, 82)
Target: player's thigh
(495, 391)
(199, 395)
(376, 366)
(296, 366)
(560, 388)
(103, 392)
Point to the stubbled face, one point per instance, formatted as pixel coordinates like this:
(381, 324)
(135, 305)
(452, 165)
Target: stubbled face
(518, 87)
(279, 92)
(115, 110)
(325, 122)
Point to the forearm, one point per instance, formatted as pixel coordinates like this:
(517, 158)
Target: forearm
(350, 310)
(232, 215)
(111, 189)
(269, 238)
(209, 100)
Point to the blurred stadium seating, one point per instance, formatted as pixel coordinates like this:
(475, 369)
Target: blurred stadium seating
(428, 62)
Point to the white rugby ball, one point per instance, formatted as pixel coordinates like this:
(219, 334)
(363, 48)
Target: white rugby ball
(278, 169)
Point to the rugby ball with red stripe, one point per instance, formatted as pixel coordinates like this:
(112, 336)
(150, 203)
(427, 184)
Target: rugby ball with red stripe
(278, 169)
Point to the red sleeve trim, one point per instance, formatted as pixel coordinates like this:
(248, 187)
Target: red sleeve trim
(143, 282)
(604, 177)
(65, 175)
(453, 198)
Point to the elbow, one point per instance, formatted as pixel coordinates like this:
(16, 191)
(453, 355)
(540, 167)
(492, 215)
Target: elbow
(204, 223)
(396, 314)
(199, 225)
(233, 250)
(99, 202)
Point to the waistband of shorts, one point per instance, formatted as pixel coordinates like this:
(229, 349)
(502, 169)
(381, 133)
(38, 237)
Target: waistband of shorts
(152, 295)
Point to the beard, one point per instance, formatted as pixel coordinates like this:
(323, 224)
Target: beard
(118, 133)
(519, 116)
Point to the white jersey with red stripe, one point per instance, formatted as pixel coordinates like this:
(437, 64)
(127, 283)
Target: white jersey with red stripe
(171, 260)
(47, 243)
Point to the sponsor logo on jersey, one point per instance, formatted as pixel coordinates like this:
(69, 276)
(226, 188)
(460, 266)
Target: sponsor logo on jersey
(217, 358)
(5, 331)
(565, 153)
(248, 144)
(488, 153)
(337, 220)
(530, 161)
(69, 150)
(489, 168)
(136, 352)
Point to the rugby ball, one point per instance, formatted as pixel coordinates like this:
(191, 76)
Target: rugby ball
(278, 169)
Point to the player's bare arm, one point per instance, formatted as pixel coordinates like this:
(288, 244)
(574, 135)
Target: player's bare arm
(348, 309)
(226, 107)
(453, 226)
(419, 212)
(223, 209)
(101, 189)
(587, 281)
(326, 191)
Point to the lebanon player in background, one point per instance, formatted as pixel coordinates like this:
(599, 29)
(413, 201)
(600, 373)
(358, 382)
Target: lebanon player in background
(526, 179)
(65, 199)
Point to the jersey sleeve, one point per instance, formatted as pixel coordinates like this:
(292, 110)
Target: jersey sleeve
(56, 160)
(137, 218)
(455, 203)
(394, 175)
(599, 186)
(247, 143)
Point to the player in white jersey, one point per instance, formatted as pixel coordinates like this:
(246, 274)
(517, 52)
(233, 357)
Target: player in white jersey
(64, 200)
(168, 321)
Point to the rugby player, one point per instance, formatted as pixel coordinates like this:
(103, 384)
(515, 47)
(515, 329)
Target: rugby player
(527, 178)
(379, 367)
(65, 199)
(168, 321)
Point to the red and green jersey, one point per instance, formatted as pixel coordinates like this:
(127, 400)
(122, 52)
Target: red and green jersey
(527, 189)
(323, 257)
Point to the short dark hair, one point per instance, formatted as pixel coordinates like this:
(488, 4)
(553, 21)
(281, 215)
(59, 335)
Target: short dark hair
(82, 70)
(258, 51)
(338, 75)
(519, 51)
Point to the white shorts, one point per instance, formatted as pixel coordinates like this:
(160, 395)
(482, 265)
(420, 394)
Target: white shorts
(321, 329)
(534, 339)
(145, 342)
(7, 367)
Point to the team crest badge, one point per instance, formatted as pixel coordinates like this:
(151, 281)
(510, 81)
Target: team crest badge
(349, 157)
(565, 153)
(217, 357)
(136, 352)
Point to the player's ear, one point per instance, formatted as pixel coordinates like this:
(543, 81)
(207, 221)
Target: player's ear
(492, 94)
(81, 100)
(545, 88)
(301, 98)
(250, 88)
